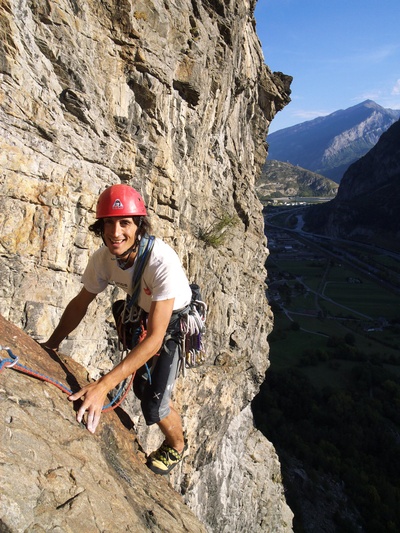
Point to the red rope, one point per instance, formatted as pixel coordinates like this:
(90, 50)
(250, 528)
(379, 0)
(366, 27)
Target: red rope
(12, 363)
(112, 407)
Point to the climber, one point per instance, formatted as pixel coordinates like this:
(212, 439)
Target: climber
(163, 289)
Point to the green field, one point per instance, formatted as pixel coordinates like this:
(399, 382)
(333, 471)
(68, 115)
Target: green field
(325, 300)
(330, 402)
(367, 298)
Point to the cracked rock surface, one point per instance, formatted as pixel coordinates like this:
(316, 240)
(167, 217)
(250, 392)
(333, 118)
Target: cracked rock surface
(172, 97)
(56, 476)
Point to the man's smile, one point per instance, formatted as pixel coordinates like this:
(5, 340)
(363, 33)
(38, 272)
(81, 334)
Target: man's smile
(119, 234)
(117, 243)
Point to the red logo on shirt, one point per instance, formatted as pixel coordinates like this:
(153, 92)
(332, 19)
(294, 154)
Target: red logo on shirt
(147, 291)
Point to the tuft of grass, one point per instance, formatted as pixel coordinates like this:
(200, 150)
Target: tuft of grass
(215, 234)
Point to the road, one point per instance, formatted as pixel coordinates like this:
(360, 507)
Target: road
(321, 242)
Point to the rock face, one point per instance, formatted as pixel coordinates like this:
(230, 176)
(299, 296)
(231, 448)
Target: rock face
(174, 99)
(366, 206)
(55, 475)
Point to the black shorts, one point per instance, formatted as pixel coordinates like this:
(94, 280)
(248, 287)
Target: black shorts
(154, 382)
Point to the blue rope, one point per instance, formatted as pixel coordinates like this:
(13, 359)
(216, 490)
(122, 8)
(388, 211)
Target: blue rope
(148, 372)
(13, 358)
(13, 363)
(116, 397)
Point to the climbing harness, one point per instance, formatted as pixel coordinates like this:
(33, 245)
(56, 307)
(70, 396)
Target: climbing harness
(13, 362)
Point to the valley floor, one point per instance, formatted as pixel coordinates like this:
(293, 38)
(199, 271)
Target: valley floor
(331, 399)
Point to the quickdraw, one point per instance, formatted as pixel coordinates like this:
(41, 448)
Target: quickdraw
(193, 328)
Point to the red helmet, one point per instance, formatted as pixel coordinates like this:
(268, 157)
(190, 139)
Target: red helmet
(120, 201)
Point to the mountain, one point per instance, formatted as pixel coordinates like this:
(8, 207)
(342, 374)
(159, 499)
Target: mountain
(329, 145)
(280, 179)
(367, 204)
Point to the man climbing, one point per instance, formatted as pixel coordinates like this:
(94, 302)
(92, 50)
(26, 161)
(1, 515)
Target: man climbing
(151, 273)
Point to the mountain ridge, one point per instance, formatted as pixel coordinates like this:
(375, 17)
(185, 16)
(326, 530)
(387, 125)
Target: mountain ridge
(366, 205)
(329, 145)
(279, 179)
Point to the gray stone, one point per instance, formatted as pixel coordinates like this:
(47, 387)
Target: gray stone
(55, 475)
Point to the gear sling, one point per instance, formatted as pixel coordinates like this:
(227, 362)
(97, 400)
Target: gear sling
(182, 346)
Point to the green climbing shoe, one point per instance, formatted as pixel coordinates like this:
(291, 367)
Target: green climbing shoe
(163, 460)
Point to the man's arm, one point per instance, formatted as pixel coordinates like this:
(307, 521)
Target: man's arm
(71, 318)
(94, 394)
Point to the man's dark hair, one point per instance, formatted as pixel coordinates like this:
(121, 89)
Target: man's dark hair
(141, 222)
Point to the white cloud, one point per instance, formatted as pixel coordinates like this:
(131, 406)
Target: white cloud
(371, 95)
(396, 89)
(388, 97)
(380, 54)
(374, 55)
(309, 114)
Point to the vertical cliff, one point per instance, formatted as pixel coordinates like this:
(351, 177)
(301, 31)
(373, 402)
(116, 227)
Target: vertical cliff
(174, 98)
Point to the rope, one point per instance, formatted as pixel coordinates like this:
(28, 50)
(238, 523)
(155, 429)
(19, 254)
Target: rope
(143, 255)
(12, 362)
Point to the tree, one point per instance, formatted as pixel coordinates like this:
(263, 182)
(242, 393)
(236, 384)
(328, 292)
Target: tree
(350, 339)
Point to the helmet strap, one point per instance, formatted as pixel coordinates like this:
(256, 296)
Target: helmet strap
(121, 262)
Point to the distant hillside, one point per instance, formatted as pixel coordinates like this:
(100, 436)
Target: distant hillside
(366, 207)
(329, 145)
(280, 179)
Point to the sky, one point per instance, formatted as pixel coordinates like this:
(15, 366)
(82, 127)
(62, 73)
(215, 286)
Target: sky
(339, 52)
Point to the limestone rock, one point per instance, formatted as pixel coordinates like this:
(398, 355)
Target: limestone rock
(174, 98)
(55, 475)
(226, 489)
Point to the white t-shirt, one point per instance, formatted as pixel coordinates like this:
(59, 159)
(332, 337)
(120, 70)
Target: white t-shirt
(163, 277)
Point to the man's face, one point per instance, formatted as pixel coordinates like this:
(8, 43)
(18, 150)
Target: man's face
(119, 234)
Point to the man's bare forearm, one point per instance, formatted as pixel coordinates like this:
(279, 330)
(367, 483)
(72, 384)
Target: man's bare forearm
(70, 319)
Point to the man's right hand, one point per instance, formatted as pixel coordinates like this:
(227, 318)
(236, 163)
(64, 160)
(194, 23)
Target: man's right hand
(93, 396)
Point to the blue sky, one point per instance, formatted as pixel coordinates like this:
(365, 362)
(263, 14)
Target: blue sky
(339, 52)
